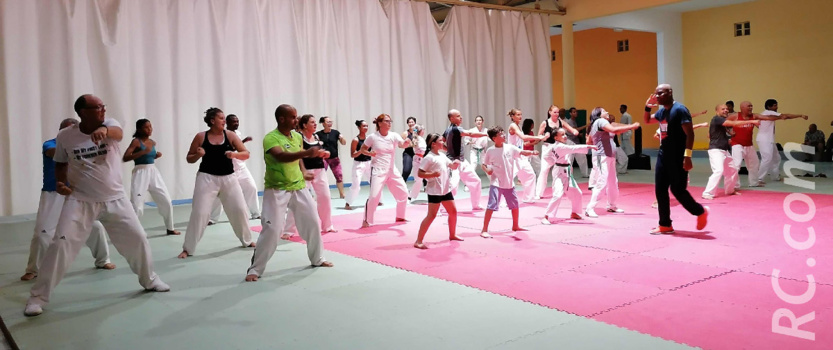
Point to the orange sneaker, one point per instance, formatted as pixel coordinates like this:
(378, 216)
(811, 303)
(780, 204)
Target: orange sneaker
(662, 230)
(703, 219)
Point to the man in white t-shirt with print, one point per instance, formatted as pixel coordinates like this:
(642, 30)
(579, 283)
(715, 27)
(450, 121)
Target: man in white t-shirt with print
(770, 158)
(88, 157)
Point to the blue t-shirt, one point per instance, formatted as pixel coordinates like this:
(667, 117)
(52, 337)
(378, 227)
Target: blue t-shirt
(48, 167)
(673, 145)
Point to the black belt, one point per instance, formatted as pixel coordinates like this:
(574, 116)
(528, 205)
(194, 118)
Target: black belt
(563, 165)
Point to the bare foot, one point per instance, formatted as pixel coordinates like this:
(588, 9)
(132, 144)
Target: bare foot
(174, 233)
(401, 220)
(575, 216)
(420, 246)
(380, 203)
(252, 245)
(518, 228)
(341, 196)
(455, 238)
(182, 255)
(107, 266)
(28, 276)
(365, 224)
(331, 230)
(485, 235)
(326, 264)
(251, 278)
(348, 207)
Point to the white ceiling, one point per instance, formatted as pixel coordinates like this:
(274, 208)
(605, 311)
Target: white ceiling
(680, 7)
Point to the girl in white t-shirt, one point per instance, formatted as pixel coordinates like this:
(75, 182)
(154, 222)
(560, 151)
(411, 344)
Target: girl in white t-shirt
(436, 168)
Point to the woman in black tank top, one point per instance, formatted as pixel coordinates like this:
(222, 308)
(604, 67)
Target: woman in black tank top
(215, 178)
(361, 164)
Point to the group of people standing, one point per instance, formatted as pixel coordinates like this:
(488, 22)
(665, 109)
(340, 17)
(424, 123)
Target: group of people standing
(83, 197)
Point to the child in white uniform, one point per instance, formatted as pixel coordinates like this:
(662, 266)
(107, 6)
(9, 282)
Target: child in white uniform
(561, 155)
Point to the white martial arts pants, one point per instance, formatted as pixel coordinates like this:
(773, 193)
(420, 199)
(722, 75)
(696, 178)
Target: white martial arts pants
(562, 184)
(721, 163)
(147, 179)
(73, 229)
(627, 145)
(581, 159)
(621, 161)
(606, 180)
(207, 188)
(392, 179)
(49, 211)
(544, 172)
(594, 172)
(275, 205)
(770, 161)
(527, 176)
(361, 171)
(321, 189)
(475, 156)
(535, 162)
(748, 154)
(465, 172)
(417, 186)
(249, 188)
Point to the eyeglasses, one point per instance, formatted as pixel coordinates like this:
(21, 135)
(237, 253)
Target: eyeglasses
(98, 108)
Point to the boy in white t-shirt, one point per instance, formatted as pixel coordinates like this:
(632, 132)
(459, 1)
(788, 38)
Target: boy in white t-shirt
(436, 168)
(500, 162)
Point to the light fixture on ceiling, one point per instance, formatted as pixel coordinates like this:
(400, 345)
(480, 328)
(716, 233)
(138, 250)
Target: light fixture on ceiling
(618, 30)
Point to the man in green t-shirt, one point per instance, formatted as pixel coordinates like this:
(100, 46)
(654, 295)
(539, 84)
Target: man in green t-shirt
(285, 181)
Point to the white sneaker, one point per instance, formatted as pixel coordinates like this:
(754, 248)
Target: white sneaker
(32, 310)
(159, 286)
(615, 210)
(590, 213)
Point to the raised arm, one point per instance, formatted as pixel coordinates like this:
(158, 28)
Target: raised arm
(618, 129)
(515, 130)
(283, 156)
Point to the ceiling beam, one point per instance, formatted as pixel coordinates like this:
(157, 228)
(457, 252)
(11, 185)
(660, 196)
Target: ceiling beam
(494, 7)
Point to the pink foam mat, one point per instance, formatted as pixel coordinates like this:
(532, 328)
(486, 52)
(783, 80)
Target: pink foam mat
(708, 288)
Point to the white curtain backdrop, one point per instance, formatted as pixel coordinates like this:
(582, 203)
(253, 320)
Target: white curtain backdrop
(169, 60)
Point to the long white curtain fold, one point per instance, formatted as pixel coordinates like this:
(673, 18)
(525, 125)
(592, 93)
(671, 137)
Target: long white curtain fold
(169, 60)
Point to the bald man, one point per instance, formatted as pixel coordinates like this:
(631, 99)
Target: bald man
(49, 210)
(674, 158)
(720, 156)
(88, 173)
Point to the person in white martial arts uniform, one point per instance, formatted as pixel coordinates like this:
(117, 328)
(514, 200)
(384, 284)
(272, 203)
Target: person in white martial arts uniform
(49, 210)
(560, 155)
(770, 158)
(361, 164)
(437, 169)
(285, 189)
(478, 144)
(216, 147)
(626, 143)
(319, 182)
(146, 178)
(621, 156)
(420, 149)
(720, 156)
(88, 172)
(453, 136)
(527, 126)
(500, 162)
(548, 127)
(604, 160)
(524, 168)
(578, 140)
(383, 172)
(244, 176)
